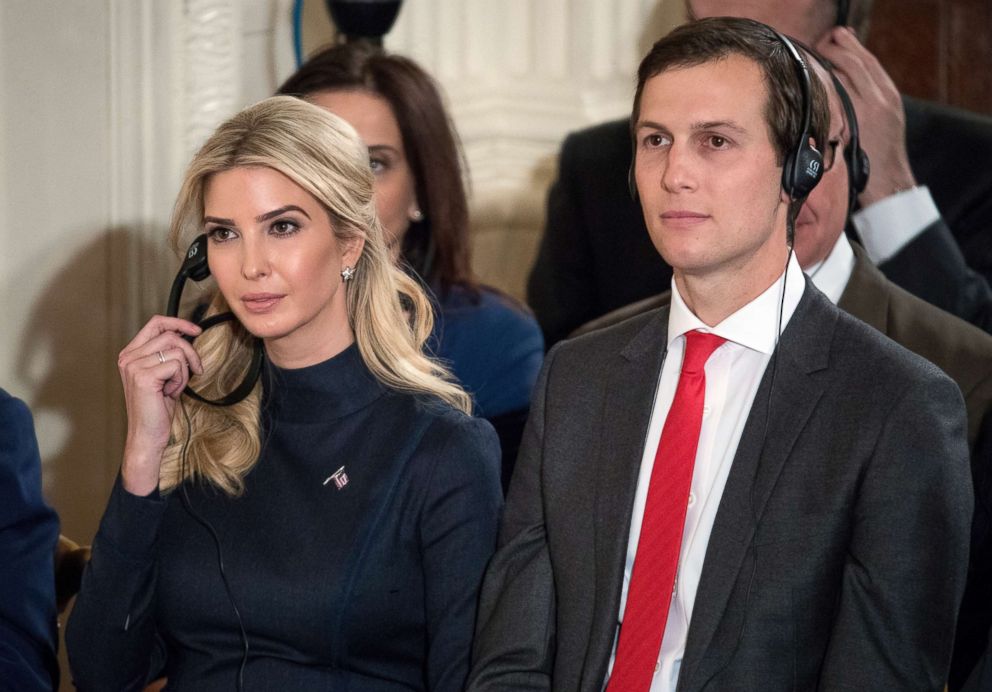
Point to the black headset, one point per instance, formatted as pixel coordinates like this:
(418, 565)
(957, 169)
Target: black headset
(856, 158)
(843, 9)
(195, 267)
(858, 165)
(803, 166)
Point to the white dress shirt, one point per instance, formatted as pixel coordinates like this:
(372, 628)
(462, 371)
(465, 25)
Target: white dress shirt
(890, 224)
(832, 274)
(733, 374)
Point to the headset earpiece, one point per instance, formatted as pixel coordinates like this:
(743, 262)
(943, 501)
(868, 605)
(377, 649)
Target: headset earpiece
(195, 265)
(802, 171)
(858, 165)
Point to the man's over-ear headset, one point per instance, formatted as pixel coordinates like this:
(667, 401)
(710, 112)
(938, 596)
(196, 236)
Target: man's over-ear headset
(803, 166)
(856, 158)
(843, 9)
(195, 267)
(858, 165)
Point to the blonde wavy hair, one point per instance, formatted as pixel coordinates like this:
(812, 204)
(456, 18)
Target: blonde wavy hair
(388, 311)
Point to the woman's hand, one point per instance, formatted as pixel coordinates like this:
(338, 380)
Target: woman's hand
(154, 368)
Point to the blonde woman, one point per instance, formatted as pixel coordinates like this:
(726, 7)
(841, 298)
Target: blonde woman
(330, 531)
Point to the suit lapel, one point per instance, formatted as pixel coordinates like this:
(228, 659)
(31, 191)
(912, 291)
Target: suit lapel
(866, 295)
(765, 446)
(626, 414)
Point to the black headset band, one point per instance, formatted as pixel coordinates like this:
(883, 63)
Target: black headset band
(803, 165)
(858, 165)
(195, 267)
(805, 86)
(843, 9)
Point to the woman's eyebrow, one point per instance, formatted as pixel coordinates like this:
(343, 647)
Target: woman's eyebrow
(260, 218)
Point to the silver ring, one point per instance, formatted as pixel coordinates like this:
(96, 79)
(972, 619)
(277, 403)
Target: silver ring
(161, 357)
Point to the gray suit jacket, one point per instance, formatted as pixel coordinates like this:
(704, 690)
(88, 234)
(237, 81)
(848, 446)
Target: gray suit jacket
(837, 558)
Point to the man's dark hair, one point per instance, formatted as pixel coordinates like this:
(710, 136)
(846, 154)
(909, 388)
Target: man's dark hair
(718, 38)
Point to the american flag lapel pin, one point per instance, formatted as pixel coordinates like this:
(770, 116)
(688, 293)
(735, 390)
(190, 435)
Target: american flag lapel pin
(339, 477)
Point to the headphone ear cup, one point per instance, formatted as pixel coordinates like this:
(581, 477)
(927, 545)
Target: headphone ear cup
(802, 171)
(195, 264)
(860, 170)
(789, 174)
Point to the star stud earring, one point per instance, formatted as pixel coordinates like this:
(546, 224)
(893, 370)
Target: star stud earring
(348, 273)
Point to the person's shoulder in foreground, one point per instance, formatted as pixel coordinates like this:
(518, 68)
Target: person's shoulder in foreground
(28, 534)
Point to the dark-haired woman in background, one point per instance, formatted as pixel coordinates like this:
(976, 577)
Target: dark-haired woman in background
(493, 346)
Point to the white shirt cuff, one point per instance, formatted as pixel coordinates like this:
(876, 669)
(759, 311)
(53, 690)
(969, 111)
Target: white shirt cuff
(889, 225)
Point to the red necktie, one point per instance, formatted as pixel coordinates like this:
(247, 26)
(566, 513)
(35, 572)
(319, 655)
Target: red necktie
(656, 561)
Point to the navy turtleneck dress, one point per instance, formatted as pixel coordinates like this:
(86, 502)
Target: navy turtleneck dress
(354, 555)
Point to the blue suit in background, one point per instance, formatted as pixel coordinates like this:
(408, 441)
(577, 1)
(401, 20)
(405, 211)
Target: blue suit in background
(29, 530)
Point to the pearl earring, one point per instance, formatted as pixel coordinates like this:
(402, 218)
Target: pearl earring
(416, 216)
(348, 273)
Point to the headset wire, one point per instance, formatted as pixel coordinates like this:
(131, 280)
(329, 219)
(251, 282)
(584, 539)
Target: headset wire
(220, 553)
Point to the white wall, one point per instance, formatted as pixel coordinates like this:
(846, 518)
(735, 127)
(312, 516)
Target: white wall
(55, 199)
(519, 75)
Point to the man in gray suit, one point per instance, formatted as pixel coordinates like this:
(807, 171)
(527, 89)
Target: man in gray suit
(821, 522)
(843, 272)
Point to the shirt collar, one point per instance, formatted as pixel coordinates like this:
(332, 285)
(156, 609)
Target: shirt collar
(753, 325)
(832, 273)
